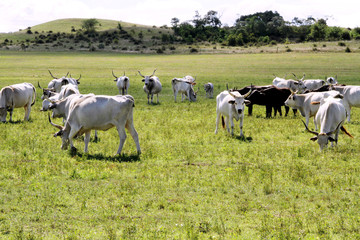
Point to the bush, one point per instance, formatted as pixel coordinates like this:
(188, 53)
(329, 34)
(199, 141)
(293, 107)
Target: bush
(341, 44)
(193, 50)
(347, 50)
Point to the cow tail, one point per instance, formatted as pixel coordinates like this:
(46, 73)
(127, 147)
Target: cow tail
(34, 95)
(346, 131)
(223, 121)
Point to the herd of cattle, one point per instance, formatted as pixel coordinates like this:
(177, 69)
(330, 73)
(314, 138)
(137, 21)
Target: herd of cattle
(325, 100)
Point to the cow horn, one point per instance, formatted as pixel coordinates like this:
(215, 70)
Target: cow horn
(329, 133)
(78, 78)
(153, 73)
(47, 98)
(114, 74)
(124, 73)
(285, 75)
(140, 74)
(248, 93)
(40, 86)
(52, 75)
(295, 76)
(303, 77)
(67, 75)
(313, 132)
(55, 125)
(227, 86)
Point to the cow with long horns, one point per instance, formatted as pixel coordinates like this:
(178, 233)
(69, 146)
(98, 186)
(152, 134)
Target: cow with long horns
(152, 85)
(122, 83)
(57, 83)
(230, 105)
(330, 117)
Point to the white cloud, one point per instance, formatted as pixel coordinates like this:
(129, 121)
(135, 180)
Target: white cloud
(23, 13)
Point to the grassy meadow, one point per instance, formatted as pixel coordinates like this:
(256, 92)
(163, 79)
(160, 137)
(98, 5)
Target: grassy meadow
(188, 183)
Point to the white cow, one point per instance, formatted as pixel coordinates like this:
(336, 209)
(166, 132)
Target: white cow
(330, 117)
(209, 89)
(16, 96)
(57, 83)
(312, 84)
(303, 103)
(185, 87)
(293, 85)
(122, 83)
(230, 105)
(152, 86)
(190, 78)
(99, 113)
(351, 97)
(50, 96)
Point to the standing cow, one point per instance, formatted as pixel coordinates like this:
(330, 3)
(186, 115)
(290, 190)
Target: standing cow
(16, 96)
(122, 83)
(293, 85)
(330, 117)
(230, 105)
(152, 85)
(111, 111)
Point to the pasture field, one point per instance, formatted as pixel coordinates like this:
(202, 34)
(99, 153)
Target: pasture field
(188, 183)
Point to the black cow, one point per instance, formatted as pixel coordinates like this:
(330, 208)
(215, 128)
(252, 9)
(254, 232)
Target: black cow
(246, 89)
(272, 97)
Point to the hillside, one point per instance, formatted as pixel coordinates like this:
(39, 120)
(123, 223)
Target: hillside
(117, 36)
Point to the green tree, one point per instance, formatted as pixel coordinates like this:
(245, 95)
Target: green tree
(89, 25)
(318, 30)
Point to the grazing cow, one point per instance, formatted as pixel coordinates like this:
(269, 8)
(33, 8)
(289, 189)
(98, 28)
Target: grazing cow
(230, 105)
(209, 89)
(185, 87)
(272, 97)
(152, 86)
(122, 83)
(330, 117)
(99, 113)
(16, 96)
(302, 102)
(57, 83)
(294, 85)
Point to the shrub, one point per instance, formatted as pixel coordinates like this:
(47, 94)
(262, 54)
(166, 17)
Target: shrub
(347, 50)
(193, 50)
(342, 44)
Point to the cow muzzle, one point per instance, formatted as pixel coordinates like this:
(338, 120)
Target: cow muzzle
(240, 111)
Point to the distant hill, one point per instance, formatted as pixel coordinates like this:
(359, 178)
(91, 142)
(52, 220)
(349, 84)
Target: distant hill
(66, 25)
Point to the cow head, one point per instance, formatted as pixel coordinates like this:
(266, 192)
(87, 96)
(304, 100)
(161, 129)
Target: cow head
(291, 101)
(6, 102)
(323, 138)
(239, 101)
(192, 96)
(123, 78)
(147, 79)
(331, 80)
(63, 132)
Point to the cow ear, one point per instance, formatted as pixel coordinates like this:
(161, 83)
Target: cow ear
(143, 80)
(247, 102)
(64, 82)
(231, 101)
(193, 83)
(314, 138)
(52, 106)
(331, 139)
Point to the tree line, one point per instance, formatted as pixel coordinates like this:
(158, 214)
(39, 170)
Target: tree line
(258, 28)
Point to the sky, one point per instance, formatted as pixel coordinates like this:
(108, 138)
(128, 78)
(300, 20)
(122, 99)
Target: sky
(20, 14)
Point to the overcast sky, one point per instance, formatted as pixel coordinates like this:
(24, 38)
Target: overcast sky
(20, 14)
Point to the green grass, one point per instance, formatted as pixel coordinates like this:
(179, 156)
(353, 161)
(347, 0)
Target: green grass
(189, 183)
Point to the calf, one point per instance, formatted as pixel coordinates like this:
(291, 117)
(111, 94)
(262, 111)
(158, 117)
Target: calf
(111, 111)
(330, 117)
(230, 105)
(209, 89)
(152, 86)
(181, 85)
(122, 83)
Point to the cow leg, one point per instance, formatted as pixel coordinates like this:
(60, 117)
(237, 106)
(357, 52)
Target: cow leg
(315, 124)
(279, 110)
(11, 113)
(232, 124)
(307, 121)
(96, 136)
(122, 136)
(241, 126)
(27, 112)
(87, 140)
(286, 110)
(217, 122)
(227, 123)
(268, 111)
(152, 96)
(250, 109)
(130, 127)
(175, 94)
(157, 96)
(148, 97)
(294, 111)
